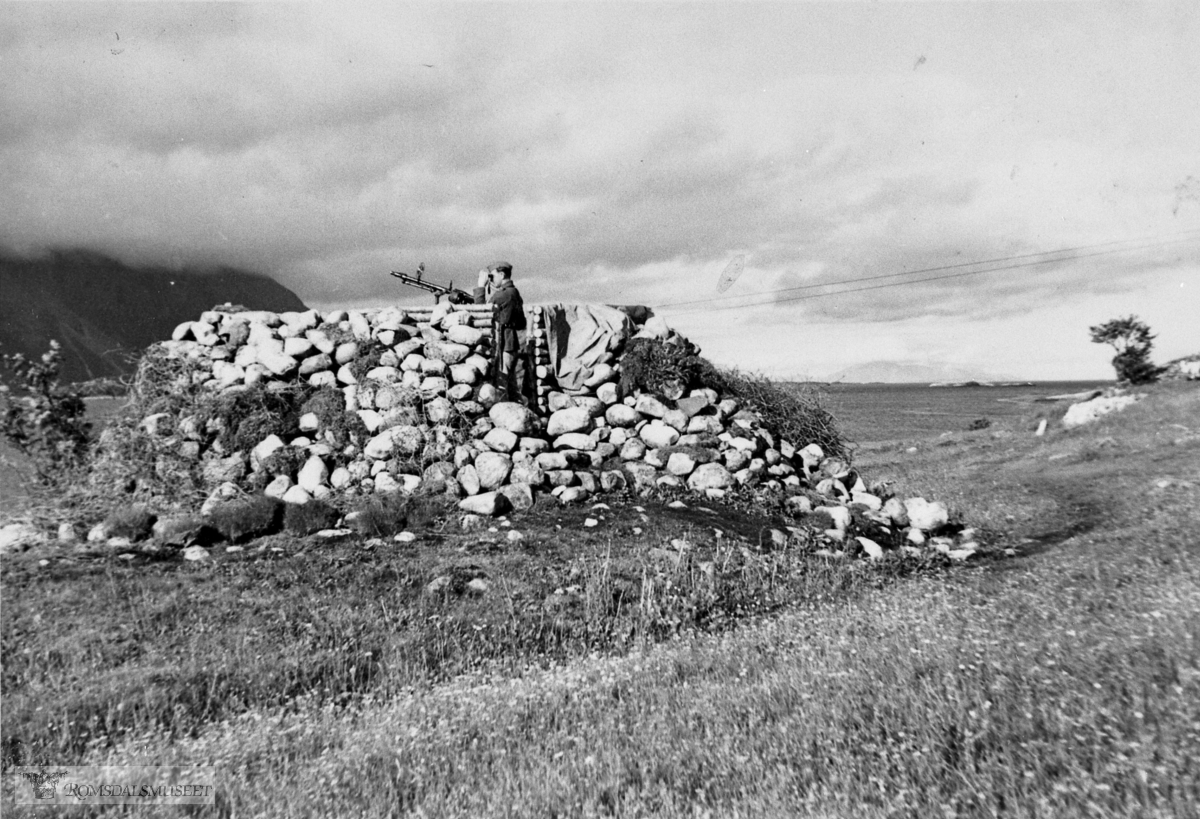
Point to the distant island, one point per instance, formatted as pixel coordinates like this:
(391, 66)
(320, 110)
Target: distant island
(915, 372)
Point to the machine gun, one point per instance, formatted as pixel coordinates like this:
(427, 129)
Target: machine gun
(452, 295)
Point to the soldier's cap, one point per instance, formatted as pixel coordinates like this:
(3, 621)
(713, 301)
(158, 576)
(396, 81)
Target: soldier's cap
(503, 267)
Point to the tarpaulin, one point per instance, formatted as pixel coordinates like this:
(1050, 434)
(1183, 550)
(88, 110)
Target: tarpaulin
(580, 336)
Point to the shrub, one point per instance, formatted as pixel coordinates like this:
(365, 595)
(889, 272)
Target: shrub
(46, 420)
(795, 413)
(1132, 340)
(247, 518)
(979, 423)
(249, 415)
(163, 382)
(307, 518)
(134, 522)
(667, 368)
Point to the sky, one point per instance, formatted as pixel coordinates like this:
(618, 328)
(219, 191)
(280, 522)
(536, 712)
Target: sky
(1037, 164)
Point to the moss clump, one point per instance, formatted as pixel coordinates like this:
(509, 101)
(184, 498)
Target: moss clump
(133, 522)
(329, 405)
(304, 519)
(392, 512)
(244, 519)
(286, 460)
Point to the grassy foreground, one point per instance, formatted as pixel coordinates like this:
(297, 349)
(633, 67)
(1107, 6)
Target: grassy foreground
(1064, 681)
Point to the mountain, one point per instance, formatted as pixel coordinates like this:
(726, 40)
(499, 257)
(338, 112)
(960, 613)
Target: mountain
(910, 372)
(101, 310)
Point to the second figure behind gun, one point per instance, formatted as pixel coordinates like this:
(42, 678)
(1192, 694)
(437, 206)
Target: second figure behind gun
(496, 287)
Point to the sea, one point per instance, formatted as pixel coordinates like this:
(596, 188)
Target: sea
(870, 413)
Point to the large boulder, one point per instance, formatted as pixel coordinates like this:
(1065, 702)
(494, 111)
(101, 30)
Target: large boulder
(570, 419)
(710, 476)
(520, 495)
(619, 415)
(487, 503)
(402, 440)
(447, 351)
(651, 406)
(1088, 411)
(925, 515)
(512, 416)
(657, 435)
(493, 469)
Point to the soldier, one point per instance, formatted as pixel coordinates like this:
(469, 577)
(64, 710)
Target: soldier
(496, 287)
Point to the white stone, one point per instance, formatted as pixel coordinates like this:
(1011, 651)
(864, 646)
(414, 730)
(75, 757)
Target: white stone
(340, 478)
(16, 537)
(493, 468)
(297, 347)
(570, 419)
(925, 515)
(710, 476)
(512, 416)
(278, 487)
(873, 549)
(309, 422)
(840, 515)
(487, 503)
(1087, 412)
(463, 334)
(384, 483)
(297, 495)
(657, 435)
(196, 554)
(313, 474)
(501, 440)
(264, 449)
(651, 406)
(619, 415)
(680, 464)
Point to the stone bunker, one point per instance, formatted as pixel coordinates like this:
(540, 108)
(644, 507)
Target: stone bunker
(407, 406)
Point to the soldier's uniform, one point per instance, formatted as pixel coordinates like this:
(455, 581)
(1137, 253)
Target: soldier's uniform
(508, 322)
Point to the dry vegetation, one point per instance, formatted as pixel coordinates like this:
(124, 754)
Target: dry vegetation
(736, 679)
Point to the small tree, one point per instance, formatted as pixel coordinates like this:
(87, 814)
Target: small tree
(45, 421)
(1132, 340)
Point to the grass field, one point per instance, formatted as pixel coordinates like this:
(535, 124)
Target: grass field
(726, 678)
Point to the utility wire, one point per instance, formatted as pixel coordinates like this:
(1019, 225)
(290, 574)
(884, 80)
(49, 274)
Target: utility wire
(915, 281)
(1156, 243)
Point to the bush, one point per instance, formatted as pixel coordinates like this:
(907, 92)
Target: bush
(304, 519)
(134, 522)
(979, 423)
(795, 413)
(247, 518)
(249, 415)
(46, 420)
(667, 368)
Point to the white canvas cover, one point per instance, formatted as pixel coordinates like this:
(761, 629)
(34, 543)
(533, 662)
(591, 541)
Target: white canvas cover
(580, 336)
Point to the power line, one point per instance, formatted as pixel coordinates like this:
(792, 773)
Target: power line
(916, 281)
(1190, 233)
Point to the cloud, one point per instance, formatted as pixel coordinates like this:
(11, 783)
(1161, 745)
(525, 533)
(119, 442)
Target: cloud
(614, 154)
